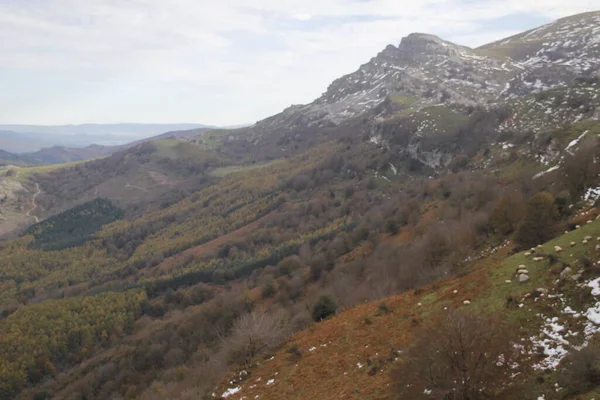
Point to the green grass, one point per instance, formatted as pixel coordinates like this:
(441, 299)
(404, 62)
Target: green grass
(224, 171)
(213, 138)
(572, 132)
(23, 173)
(444, 118)
(539, 271)
(403, 100)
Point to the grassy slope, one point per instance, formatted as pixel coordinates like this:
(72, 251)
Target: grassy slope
(353, 351)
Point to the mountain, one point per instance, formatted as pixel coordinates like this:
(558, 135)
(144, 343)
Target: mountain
(425, 71)
(31, 138)
(340, 249)
(57, 155)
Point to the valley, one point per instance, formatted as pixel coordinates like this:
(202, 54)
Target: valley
(319, 253)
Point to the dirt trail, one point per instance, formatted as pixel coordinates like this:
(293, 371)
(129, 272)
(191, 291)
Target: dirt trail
(37, 187)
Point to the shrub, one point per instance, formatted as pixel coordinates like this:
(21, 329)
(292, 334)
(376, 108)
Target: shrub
(325, 307)
(538, 224)
(506, 214)
(580, 371)
(295, 353)
(268, 289)
(254, 333)
(461, 356)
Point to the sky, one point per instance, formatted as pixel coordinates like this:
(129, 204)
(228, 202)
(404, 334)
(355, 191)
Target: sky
(222, 62)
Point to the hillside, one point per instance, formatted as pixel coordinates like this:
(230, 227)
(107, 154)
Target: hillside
(351, 355)
(307, 256)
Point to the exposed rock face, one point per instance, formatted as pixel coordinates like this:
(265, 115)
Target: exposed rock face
(425, 71)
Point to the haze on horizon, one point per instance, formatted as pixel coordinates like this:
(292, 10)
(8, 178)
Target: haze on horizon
(147, 61)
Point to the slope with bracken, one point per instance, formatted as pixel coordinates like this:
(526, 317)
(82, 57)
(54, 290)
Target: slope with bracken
(351, 355)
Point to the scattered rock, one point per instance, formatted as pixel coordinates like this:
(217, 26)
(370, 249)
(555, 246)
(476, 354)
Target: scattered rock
(523, 278)
(543, 291)
(576, 277)
(566, 271)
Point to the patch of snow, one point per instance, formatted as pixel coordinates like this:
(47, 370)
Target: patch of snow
(231, 391)
(552, 343)
(592, 195)
(538, 175)
(575, 142)
(595, 285)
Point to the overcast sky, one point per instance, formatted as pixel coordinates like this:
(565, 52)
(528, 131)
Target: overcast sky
(217, 61)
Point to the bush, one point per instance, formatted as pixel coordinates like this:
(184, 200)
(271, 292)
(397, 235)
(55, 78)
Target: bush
(295, 353)
(325, 307)
(462, 356)
(268, 289)
(506, 214)
(580, 371)
(254, 333)
(538, 224)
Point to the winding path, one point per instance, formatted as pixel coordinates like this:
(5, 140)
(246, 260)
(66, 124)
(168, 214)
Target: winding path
(37, 186)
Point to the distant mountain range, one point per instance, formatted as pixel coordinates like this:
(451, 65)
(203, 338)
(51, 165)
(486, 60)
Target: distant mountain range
(63, 154)
(31, 138)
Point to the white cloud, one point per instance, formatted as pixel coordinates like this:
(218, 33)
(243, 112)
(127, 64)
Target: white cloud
(217, 62)
(302, 17)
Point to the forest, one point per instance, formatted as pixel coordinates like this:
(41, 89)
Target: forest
(96, 306)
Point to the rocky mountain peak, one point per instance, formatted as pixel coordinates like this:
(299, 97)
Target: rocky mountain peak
(425, 70)
(426, 43)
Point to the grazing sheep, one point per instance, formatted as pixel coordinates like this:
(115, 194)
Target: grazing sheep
(508, 281)
(584, 241)
(527, 254)
(577, 226)
(536, 259)
(466, 302)
(558, 249)
(573, 244)
(455, 291)
(588, 237)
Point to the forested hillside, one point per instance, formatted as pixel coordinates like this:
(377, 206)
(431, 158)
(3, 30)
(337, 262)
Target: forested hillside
(237, 263)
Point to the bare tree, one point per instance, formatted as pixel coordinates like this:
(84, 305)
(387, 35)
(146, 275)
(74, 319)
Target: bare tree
(460, 357)
(582, 167)
(255, 332)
